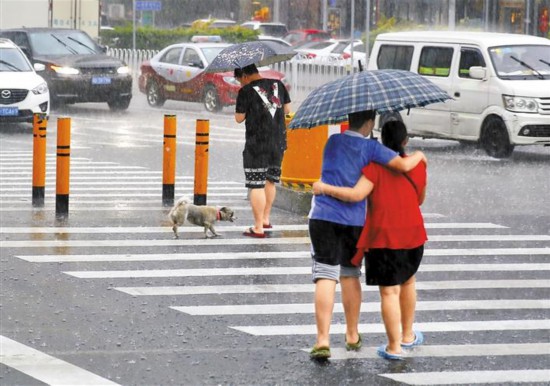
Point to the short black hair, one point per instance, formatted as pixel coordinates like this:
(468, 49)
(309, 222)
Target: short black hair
(247, 70)
(358, 119)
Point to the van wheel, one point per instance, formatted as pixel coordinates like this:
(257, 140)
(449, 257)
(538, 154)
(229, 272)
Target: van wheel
(154, 95)
(494, 138)
(119, 104)
(387, 118)
(211, 100)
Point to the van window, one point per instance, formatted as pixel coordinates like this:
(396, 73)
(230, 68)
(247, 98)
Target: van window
(469, 57)
(435, 61)
(395, 57)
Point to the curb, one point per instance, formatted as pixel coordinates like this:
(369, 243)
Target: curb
(292, 200)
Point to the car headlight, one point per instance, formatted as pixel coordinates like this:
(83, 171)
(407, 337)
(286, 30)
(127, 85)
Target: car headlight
(123, 70)
(520, 104)
(42, 88)
(231, 80)
(65, 70)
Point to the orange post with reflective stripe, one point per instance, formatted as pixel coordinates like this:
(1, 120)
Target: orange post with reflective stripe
(201, 161)
(169, 160)
(39, 159)
(63, 166)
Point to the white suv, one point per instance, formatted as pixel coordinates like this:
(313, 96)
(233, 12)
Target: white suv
(22, 91)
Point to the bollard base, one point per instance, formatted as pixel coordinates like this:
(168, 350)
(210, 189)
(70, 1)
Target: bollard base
(199, 199)
(61, 205)
(38, 196)
(168, 194)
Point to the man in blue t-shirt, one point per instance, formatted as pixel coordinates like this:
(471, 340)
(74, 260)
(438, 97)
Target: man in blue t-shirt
(335, 226)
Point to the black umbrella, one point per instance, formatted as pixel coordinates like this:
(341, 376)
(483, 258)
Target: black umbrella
(260, 53)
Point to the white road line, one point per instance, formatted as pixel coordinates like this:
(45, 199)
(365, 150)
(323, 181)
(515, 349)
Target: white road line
(378, 328)
(44, 367)
(115, 208)
(256, 255)
(118, 195)
(225, 228)
(122, 182)
(309, 288)
(309, 308)
(247, 271)
(239, 241)
(178, 189)
(89, 171)
(459, 350)
(471, 377)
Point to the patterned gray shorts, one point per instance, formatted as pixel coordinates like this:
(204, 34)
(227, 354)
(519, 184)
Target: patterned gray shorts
(255, 178)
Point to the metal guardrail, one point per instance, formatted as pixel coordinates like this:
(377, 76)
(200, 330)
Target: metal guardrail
(303, 75)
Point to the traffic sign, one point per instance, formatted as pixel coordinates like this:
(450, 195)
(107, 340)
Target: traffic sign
(148, 5)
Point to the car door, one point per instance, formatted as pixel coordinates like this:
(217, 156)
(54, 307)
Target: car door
(192, 66)
(167, 69)
(434, 62)
(470, 96)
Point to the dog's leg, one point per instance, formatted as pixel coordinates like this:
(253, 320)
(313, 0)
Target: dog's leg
(175, 229)
(211, 227)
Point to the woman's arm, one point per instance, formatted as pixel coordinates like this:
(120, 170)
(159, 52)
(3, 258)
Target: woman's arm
(359, 192)
(422, 196)
(239, 117)
(406, 164)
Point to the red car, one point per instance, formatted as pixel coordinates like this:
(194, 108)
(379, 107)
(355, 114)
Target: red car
(300, 36)
(177, 73)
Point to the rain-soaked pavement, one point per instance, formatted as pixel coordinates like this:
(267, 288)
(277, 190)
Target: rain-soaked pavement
(107, 294)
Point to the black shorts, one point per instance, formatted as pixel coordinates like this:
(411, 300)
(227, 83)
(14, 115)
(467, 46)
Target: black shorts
(261, 168)
(332, 243)
(387, 267)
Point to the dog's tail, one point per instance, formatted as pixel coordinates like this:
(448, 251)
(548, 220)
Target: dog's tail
(182, 201)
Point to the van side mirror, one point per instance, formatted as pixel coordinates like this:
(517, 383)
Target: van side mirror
(39, 67)
(477, 72)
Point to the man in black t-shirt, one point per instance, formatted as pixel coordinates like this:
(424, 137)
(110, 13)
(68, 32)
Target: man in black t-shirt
(262, 103)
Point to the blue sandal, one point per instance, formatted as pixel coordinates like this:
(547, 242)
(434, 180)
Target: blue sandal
(418, 340)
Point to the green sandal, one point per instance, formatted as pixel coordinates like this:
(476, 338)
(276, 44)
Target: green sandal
(322, 352)
(354, 346)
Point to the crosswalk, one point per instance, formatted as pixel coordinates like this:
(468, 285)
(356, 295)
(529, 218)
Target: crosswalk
(482, 287)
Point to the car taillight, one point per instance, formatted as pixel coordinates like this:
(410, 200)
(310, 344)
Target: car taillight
(345, 55)
(311, 55)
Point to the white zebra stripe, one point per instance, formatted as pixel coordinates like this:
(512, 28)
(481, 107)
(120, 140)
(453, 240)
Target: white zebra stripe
(472, 377)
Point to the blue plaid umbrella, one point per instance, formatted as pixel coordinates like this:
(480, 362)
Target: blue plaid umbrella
(380, 90)
(260, 53)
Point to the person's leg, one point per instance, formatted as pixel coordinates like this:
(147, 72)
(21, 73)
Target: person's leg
(391, 315)
(258, 203)
(270, 192)
(407, 303)
(324, 304)
(351, 300)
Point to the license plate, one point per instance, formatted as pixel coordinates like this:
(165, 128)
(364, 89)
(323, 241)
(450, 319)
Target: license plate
(9, 111)
(101, 80)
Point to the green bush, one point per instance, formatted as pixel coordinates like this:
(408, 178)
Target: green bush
(156, 39)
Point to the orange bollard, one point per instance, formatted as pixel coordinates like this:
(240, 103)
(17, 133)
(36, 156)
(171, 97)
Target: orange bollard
(201, 161)
(63, 166)
(169, 160)
(40, 123)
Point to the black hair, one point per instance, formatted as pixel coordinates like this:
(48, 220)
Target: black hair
(358, 119)
(247, 70)
(394, 134)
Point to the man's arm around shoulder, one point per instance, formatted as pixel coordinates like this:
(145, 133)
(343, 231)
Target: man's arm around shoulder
(406, 164)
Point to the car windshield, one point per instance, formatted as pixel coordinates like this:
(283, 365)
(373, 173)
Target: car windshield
(62, 43)
(521, 62)
(273, 30)
(12, 60)
(211, 52)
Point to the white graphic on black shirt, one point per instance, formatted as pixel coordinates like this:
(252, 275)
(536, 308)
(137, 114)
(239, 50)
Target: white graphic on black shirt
(271, 102)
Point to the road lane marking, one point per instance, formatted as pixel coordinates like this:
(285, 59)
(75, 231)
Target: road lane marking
(44, 367)
(471, 377)
(262, 255)
(378, 328)
(266, 271)
(309, 308)
(309, 288)
(226, 228)
(443, 351)
(239, 241)
(118, 195)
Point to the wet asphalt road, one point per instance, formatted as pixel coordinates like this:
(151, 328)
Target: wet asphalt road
(112, 296)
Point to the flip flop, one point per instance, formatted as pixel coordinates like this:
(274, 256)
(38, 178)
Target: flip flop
(268, 226)
(354, 346)
(250, 233)
(383, 353)
(418, 340)
(320, 353)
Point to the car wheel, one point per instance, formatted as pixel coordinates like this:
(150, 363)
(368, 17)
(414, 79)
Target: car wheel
(154, 96)
(494, 138)
(211, 100)
(119, 104)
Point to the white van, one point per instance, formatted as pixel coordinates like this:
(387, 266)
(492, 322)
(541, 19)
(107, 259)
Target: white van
(500, 84)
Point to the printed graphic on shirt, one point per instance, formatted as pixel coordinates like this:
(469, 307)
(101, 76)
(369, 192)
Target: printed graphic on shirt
(271, 102)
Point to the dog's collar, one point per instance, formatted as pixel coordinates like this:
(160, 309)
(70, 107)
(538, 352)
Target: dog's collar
(218, 215)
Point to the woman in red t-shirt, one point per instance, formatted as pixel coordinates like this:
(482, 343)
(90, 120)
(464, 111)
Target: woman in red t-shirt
(392, 240)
